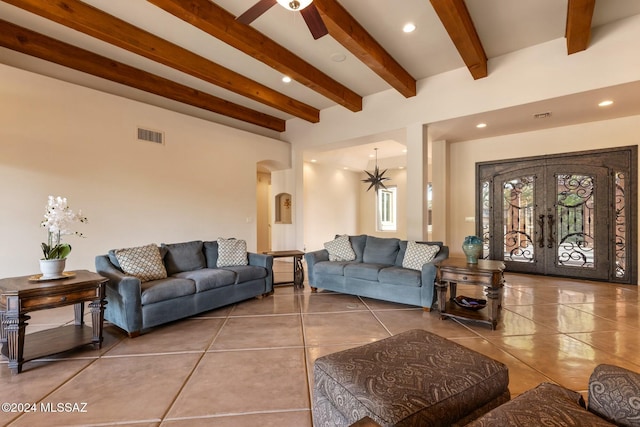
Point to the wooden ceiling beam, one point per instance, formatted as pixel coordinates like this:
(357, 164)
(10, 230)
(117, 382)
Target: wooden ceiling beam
(35, 44)
(92, 21)
(222, 25)
(455, 17)
(578, 29)
(349, 33)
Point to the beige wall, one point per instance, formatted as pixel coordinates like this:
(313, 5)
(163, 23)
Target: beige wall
(330, 204)
(61, 139)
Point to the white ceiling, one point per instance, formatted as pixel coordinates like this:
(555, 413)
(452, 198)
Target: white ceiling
(503, 26)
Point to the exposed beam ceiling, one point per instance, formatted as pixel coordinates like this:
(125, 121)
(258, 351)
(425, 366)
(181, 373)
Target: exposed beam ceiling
(196, 52)
(214, 20)
(578, 28)
(89, 20)
(41, 46)
(457, 21)
(349, 33)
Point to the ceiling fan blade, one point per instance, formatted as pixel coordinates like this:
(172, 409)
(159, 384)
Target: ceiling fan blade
(314, 21)
(255, 11)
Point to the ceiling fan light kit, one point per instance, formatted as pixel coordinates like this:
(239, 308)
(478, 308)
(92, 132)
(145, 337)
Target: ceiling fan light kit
(310, 15)
(294, 4)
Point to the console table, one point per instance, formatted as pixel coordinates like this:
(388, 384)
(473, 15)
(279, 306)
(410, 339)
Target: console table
(298, 269)
(486, 273)
(20, 295)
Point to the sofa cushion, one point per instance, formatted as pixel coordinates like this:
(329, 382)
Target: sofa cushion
(358, 243)
(340, 249)
(363, 270)
(186, 256)
(418, 254)
(231, 252)
(143, 262)
(546, 405)
(335, 268)
(400, 276)
(165, 289)
(246, 273)
(209, 278)
(381, 250)
(211, 254)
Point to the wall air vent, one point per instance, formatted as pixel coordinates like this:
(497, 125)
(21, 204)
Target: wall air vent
(150, 135)
(544, 115)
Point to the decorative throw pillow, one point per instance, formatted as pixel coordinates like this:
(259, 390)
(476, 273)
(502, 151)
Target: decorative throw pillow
(231, 252)
(418, 254)
(340, 249)
(143, 262)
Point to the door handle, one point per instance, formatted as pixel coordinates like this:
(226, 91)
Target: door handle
(550, 240)
(541, 225)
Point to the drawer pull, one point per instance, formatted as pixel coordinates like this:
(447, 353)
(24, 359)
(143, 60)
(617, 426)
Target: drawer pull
(63, 299)
(464, 277)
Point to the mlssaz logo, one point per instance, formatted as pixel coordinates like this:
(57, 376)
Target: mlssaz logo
(63, 407)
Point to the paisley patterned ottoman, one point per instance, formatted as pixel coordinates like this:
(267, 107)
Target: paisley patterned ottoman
(415, 378)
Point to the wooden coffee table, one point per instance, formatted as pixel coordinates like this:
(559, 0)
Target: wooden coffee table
(486, 273)
(20, 295)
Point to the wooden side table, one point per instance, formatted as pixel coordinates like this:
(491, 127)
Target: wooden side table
(486, 273)
(298, 269)
(20, 295)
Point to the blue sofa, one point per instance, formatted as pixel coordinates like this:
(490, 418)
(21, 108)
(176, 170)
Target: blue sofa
(194, 284)
(377, 272)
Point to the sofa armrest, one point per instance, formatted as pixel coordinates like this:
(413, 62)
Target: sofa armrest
(124, 296)
(266, 261)
(614, 394)
(312, 258)
(443, 254)
(430, 269)
(428, 277)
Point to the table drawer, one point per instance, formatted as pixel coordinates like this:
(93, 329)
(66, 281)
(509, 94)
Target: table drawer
(47, 301)
(460, 277)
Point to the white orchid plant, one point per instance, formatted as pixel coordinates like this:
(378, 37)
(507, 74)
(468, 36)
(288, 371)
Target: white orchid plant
(58, 220)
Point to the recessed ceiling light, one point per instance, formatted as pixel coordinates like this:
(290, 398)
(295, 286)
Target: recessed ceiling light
(313, 160)
(481, 125)
(286, 79)
(409, 27)
(605, 103)
(338, 57)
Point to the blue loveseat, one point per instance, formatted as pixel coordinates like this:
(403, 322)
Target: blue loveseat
(377, 271)
(193, 283)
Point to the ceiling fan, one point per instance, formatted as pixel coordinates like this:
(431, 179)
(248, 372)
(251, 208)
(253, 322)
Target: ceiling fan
(309, 13)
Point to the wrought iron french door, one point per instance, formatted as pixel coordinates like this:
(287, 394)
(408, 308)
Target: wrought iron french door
(566, 215)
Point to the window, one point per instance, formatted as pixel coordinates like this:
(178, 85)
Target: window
(387, 209)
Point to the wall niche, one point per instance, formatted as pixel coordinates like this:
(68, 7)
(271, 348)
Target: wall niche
(283, 208)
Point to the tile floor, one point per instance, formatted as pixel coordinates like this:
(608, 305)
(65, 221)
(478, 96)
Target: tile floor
(251, 363)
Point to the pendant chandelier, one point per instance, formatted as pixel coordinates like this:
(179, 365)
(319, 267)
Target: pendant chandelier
(376, 179)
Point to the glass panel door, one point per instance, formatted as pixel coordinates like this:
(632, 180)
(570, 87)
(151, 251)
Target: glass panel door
(519, 227)
(517, 195)
(578, 228)
(568, 215)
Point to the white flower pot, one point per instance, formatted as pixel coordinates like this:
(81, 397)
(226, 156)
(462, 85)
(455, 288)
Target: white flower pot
(52, 268)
